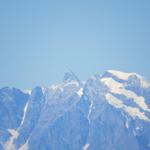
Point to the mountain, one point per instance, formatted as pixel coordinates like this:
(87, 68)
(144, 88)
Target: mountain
(106, 112)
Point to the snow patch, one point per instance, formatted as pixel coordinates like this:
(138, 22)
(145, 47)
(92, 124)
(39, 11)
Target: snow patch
(132, 111)
(73, 82)
(118, 88)
(90, 111)
(86, 147)
(13, 133)
(24, 113)
(80, 92)
(121, 75)
(9, 145)
(144, 83)
(28, 91)
(56, 87)
(24, 146)
(137, 128)
(127, 124)
(125, 76)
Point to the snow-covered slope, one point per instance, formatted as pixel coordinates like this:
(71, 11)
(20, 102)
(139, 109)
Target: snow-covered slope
(107, 112)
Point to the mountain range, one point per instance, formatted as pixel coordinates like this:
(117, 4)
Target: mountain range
(106, 112)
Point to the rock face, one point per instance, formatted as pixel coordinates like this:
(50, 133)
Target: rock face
(108, 112)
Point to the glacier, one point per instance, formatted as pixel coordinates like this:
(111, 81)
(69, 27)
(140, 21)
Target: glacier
(109, 111)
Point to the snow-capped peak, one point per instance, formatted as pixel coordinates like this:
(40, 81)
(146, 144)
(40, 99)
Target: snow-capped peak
(118, 88)
(129, 76)
(121, 75)
(27, 91)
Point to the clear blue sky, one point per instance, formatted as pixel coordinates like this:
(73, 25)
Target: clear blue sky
(41, 39)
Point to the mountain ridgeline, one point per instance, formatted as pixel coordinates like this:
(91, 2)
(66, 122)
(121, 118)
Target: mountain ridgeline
(106, 112)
